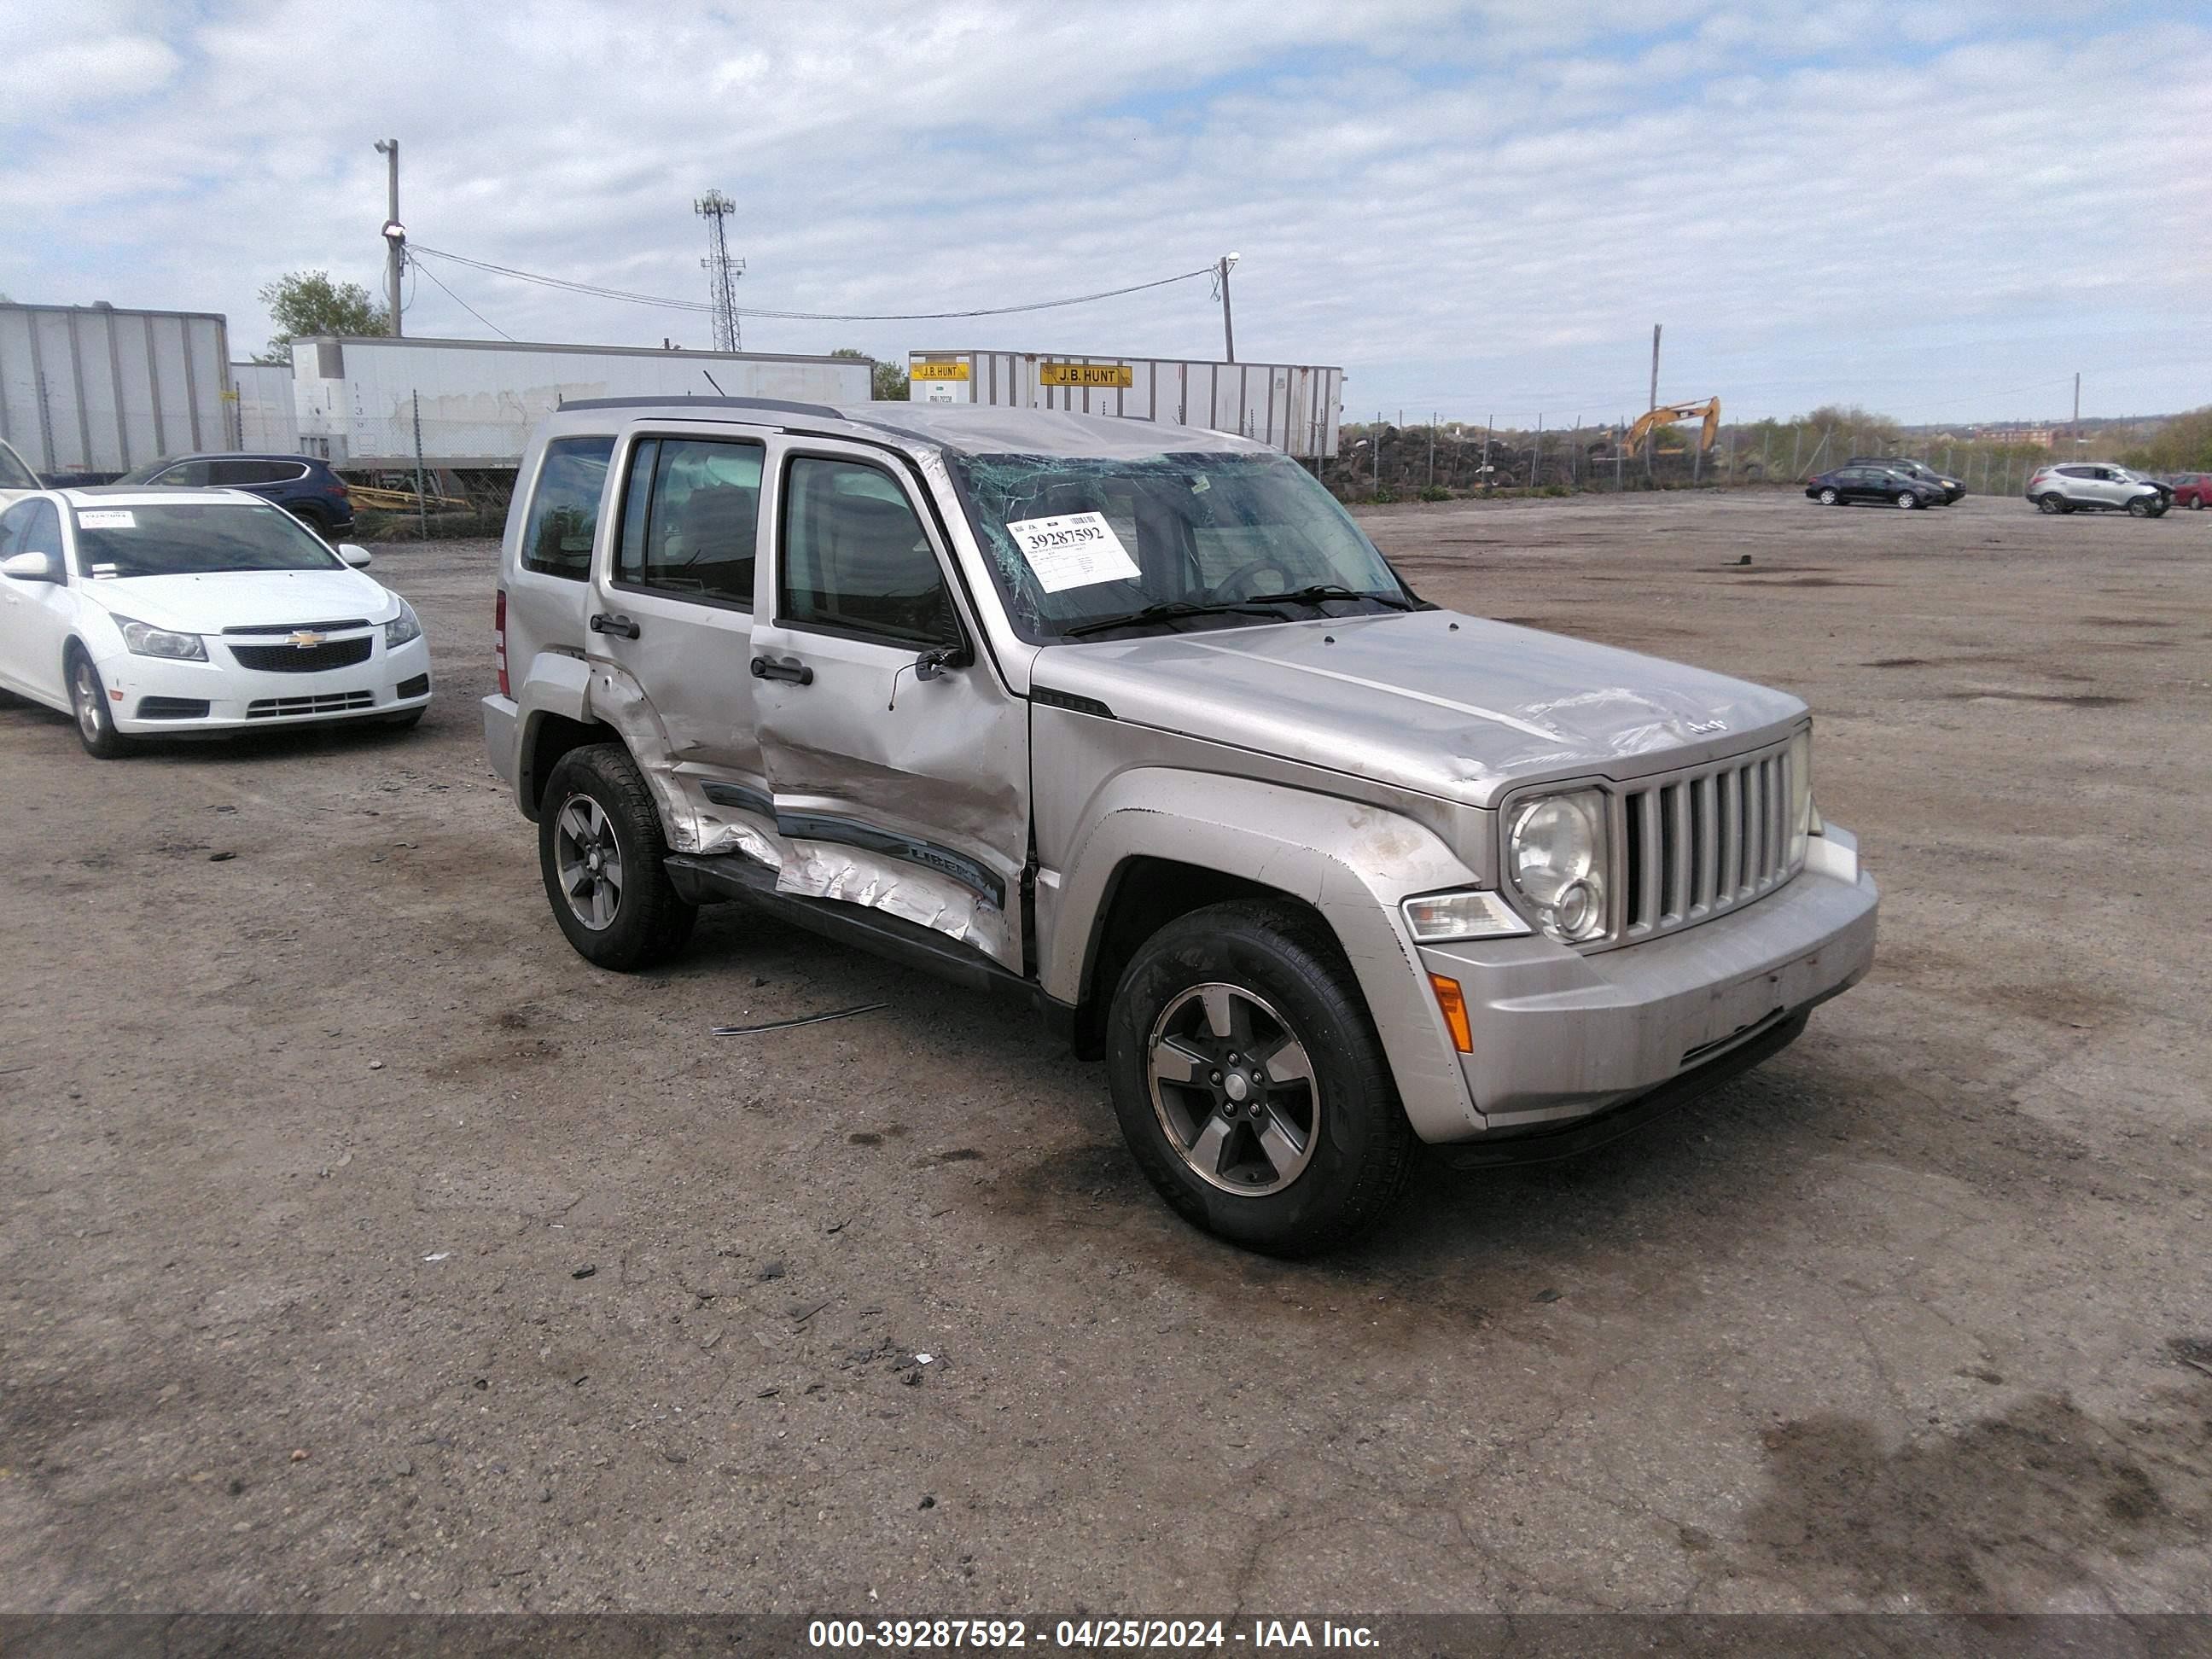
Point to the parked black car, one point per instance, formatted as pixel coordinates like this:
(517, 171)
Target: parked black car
(1952, 488)
(1885, 484)
(300, 484)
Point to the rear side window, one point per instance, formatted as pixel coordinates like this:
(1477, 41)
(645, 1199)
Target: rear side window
(564, 514)
(690, 519)
(856, 557)
(239, 474)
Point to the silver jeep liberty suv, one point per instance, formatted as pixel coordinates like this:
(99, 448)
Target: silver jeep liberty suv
(1133, 725)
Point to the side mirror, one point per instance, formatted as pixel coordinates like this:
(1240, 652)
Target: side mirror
(932, 663)
(32, 567)
(354, 555)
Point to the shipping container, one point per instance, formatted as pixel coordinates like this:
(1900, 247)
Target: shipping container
(359, 399)
(1293, 406)
(90, 391)
(268, 422)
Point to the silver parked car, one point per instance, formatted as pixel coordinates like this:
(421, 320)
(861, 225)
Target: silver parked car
(1132, 725)
(2097, 487)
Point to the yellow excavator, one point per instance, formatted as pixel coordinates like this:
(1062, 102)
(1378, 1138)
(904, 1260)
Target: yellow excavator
(1667, 414)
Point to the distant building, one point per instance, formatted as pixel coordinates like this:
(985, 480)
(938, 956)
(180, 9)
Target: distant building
(2033, 437)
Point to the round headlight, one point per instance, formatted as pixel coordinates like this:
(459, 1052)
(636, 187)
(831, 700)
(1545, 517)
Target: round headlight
(1556, 857)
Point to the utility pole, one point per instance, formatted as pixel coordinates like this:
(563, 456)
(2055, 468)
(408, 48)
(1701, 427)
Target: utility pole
(395, 233)
(1221, 270)
(722, 272)
(1651, 437)
(2077, 414)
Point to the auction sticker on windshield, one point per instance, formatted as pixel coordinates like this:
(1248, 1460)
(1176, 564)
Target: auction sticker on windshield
(105, 518)
(1076, 549)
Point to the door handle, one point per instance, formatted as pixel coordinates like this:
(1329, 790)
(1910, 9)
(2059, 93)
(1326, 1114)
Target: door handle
(602, 623)
(767, 668)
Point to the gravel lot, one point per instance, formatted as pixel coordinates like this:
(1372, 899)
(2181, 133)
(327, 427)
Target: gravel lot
(362, 1249)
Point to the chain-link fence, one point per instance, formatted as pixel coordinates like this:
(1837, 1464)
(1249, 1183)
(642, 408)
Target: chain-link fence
(1379, 461)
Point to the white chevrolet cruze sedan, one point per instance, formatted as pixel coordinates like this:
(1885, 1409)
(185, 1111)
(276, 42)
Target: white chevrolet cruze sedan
(149, 612)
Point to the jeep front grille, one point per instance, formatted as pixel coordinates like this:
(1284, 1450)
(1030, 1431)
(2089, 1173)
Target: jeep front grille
(1697, 842)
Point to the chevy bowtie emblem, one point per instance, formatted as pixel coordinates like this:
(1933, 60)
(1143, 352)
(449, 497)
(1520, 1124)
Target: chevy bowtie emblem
(307, 639)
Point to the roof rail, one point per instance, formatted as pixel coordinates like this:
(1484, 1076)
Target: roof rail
(783, 405)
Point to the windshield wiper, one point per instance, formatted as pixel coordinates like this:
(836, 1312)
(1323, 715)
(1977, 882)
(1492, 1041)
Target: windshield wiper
(1169, 610)
(1332, 591)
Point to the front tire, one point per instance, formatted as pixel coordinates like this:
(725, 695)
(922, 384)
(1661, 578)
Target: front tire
(1907, 499)
(1250, 1084)
(2140, 508)
(88, 703)
(600, 850)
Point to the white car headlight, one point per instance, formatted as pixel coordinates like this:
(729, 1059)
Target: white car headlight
(144, 640)
(1556, 859)
(1467, 914)
(402, 627)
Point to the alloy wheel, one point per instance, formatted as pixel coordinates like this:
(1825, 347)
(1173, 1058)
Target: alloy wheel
(1234, 1090)
(589, 860)
(84, 693)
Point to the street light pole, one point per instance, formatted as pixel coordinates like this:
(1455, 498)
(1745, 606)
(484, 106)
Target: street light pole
(395, 233)
(1228, 327)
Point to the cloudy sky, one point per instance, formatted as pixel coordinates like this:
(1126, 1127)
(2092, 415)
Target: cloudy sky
(1937, 211)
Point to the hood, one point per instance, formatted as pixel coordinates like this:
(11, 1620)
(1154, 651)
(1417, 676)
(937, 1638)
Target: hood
(244, 598)
(1434, 700)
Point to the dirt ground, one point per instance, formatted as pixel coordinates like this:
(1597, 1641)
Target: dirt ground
(360, 1248)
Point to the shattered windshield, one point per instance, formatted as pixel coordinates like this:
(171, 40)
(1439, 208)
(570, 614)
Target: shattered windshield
(1082, 546)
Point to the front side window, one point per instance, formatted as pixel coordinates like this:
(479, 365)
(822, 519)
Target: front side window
(12, 524)
(1075, 542)
(13, 474)
(44, 532)
(690, 519)
(564, 513)
(189, 538)
(856, 557)
(193, 475)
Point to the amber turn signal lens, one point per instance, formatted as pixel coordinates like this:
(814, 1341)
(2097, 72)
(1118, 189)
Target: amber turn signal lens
(1455, 1010)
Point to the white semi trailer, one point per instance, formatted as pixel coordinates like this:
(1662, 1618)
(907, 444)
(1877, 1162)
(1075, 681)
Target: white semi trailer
(90, 391)
(359, 399)
(1293, 406)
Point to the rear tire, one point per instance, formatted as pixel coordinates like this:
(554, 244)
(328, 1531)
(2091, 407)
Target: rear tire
(2051, 503)
(601, 853)
(313, 517)
(1829, 498)
(90, 705)
(1304, 1145)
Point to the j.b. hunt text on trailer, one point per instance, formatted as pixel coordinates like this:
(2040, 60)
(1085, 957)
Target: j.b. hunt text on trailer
(1293, 406)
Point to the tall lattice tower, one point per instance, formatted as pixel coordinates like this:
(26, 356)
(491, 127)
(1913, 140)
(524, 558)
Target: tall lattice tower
(722, 272)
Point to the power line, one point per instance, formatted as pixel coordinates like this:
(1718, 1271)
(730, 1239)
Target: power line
(418, 265)
(598, 292)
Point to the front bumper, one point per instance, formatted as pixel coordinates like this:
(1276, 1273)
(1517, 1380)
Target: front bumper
(1559, 1036)
(239, 698)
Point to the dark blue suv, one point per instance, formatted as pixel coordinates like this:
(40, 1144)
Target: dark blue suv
(300, 484)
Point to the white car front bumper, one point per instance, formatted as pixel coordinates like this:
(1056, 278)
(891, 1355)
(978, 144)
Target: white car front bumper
(252, 684)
